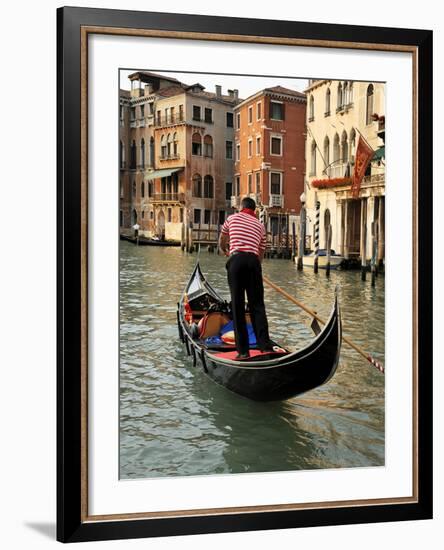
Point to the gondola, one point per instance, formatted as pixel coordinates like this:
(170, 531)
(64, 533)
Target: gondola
(143, 241)
(265, 376)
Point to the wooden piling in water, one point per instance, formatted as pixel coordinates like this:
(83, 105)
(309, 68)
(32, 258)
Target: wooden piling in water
(293, 242)
(374, 251)
(329, 232)
(364, 252)
(316, 236)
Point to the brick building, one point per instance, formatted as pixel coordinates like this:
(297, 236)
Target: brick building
(270, 152)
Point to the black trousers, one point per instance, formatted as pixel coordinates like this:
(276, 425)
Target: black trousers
(245, 276)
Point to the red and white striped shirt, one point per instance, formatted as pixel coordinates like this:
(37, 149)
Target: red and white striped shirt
(245, 232)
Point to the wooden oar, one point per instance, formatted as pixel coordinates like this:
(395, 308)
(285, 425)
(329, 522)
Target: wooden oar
(366, 356)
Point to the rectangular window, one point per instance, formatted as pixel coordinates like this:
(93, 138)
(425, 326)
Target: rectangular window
(250, 148)
(169, 215)
(275, 183)
(258, 145)
(221, 217)
(237, 190)
(196, 112)
(151, 215)
(181, 215)
(172, 114)
(259, 110)
(238, 151)
(276, 110)
(121, 218)
(151, 108)
(276, 145)
(197, 215)
(229, 120)
(229, 149)
(166, 116)
(250, 184)
(142, 111)
(180, 113)
(258, 182)
(207, 216)
(228, 190)
(121, 112)
(238, 121)
(143, 214)
(159, 118)
(133, 113)
(250, 114)
(208, 115)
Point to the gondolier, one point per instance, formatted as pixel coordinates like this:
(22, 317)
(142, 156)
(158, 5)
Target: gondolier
(243, 240)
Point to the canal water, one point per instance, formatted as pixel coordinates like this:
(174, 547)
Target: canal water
(174, 421)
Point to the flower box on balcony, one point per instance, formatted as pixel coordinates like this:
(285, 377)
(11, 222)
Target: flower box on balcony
(331, 182)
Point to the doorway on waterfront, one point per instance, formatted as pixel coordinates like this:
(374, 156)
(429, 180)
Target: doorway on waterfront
(161, 225)
(353, 228)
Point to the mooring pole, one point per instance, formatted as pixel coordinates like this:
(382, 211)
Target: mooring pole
(316, 235)
(329, 231)
(374, 250)
(364, 252)
(301, 247)
(293, 241)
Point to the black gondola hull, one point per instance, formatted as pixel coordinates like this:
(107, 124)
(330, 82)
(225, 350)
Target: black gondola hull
(273, 377)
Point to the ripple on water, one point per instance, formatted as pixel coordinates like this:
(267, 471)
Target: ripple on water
(176, 422)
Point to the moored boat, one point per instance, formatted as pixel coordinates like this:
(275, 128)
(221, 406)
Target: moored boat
(273, 375)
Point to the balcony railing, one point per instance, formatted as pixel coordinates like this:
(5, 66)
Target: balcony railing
(256, 197)
(276, 200)
(168, 120)
(167, 197)
(170, 157)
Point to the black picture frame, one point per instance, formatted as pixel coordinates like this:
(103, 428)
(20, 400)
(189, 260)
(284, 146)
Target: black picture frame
(73, 523)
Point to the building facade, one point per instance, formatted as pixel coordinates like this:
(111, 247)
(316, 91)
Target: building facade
(269, 153)
(338, 113)
(181, 146)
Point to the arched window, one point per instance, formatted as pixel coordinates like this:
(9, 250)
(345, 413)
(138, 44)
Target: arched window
(142, 153)
(327, 102)
(326, 151)
(311, 114)
(208, 146)
(142, 189)
(175, 145)
(196, 144)
(197, 185)
(336, 151)
(208, 187)
(344, 147)
(151, 159)
(313, 158)
(133, 155)
(134, 189)
(352, 145)
(339, 101)
(350, 93)
(169, 145)
(163, 147)
(369, 110)
(345, 94)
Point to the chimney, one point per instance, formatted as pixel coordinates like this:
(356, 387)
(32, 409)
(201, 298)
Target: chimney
(148, 89)
(218, 90)
(236, 94)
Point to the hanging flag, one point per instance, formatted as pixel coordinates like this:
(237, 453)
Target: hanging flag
(364, 154)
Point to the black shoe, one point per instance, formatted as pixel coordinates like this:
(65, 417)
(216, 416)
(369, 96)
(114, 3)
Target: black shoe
(242, 355)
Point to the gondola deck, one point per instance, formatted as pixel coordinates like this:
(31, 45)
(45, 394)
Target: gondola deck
(268, 376)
